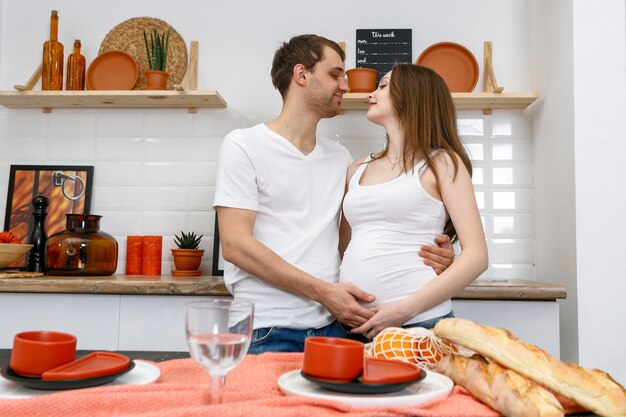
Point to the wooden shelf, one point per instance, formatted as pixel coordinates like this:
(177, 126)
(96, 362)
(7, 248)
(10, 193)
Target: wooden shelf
(111, 99)
(462, 101)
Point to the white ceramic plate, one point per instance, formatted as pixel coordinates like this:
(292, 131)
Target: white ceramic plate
(143, 373)
(432, 387)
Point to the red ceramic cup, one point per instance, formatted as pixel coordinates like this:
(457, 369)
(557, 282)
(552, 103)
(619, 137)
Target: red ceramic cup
(35, 352)
(333, 358)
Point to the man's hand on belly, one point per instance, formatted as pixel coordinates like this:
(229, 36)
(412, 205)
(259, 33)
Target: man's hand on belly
(438, 257)
(341, 300)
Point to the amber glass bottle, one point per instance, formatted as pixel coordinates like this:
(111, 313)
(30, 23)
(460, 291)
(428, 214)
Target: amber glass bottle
(52, 74)
(75, 70)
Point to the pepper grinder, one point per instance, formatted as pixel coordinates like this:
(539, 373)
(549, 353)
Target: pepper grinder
(36, 260)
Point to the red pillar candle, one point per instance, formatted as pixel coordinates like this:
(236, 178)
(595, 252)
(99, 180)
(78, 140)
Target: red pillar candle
(152, 255)
(134, 255)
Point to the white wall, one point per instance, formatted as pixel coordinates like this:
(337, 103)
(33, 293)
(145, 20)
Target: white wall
(600, 142)
(580, 152)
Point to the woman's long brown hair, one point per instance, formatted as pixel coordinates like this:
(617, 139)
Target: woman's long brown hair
(425, 109)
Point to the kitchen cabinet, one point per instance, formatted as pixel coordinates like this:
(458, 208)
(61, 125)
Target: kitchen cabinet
(147, 313)
(462, 101)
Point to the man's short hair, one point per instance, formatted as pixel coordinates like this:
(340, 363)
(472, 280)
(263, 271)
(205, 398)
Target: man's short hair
(307, 50)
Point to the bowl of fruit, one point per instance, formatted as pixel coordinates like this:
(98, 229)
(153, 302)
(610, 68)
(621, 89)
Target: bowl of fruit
(11, 250)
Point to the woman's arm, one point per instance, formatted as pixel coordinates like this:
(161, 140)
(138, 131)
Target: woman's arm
(458, 197)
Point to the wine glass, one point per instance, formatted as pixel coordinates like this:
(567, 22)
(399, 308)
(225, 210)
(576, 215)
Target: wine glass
(218, 334)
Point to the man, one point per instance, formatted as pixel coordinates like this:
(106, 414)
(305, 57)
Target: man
(278, 197)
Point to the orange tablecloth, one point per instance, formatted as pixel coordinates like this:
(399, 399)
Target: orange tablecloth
(251, 390)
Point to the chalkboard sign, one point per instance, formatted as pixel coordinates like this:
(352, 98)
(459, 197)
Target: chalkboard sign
(381, 49)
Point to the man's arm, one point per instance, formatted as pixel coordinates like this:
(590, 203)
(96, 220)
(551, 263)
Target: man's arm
(438, 257)
(241, 248)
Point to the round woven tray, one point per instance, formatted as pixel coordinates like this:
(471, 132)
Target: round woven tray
(128, 37)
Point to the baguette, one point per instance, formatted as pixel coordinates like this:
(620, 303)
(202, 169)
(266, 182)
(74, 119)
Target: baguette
(501, 389)
(593, 389)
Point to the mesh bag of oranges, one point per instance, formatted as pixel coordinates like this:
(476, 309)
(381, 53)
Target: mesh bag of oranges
(414, 345)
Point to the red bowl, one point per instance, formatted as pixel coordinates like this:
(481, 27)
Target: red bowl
(35, 352)
(362, 80)
(333, 358)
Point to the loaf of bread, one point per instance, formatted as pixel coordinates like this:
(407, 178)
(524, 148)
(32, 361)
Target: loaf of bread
(593, 389)
(501, 389)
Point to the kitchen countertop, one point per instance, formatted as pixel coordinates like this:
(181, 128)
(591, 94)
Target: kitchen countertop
(5, 355)
(521, 290)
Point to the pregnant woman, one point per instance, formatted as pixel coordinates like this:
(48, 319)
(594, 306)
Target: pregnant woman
(404, 197)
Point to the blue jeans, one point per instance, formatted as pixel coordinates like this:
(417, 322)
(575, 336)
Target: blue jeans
(281, 339)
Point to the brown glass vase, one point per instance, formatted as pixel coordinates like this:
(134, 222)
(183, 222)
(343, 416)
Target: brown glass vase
(81, 249)
(75, 79)
(52, 72)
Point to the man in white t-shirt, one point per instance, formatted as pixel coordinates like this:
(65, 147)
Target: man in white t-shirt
(278, 198)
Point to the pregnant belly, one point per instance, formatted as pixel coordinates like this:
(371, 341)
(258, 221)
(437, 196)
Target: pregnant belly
(390, 277)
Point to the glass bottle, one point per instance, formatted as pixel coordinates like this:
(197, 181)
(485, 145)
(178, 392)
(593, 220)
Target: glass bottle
(52, 74)
(75, 79)
(81, 249)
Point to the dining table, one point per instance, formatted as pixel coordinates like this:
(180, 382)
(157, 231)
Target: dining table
(251, 389)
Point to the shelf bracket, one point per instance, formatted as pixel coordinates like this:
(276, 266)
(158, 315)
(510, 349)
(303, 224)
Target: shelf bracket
(190, 79)
(490, 83)
(31, 83)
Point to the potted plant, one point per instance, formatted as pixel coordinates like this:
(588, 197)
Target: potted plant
(156, 52)
(187, 257)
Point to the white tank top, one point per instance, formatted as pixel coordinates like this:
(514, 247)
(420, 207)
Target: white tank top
(390, 221)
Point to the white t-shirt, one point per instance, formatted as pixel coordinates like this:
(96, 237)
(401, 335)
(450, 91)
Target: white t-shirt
(390, 221)
(297, 199)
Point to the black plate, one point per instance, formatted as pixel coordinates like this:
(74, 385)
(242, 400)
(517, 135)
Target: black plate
(51, 385)
(357, 387)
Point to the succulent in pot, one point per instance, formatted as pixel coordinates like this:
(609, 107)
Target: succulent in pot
(187, 257)
(156, 54)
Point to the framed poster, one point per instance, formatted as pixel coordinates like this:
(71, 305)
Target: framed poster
(68, 188)
(381, 49)
(218, 259)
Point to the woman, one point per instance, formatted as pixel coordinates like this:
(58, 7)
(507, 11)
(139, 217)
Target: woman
(403, 197)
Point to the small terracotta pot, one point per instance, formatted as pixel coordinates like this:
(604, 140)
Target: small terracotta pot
(187, 259)
(362, 80)
(156, 80)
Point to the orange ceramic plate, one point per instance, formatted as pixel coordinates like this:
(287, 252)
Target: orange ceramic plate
(113, 70)
(93, 365)
(454, 62)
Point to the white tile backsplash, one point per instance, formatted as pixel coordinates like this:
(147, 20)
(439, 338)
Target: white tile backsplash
(168, 125)
(117, 149)
(69, 149)
(165, 173)
(165, 198)
(110, 198)
(202, 198)
(119, 125)
(206, 149)
(117, 173)
(16, 124)
(216, 123)
(166, 149)
(66, 125)
(155, 171)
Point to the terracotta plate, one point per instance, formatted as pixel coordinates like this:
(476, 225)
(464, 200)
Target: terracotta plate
(38, 383)
(358, 387)
(93, 365)
(454, 62)
(113, 70)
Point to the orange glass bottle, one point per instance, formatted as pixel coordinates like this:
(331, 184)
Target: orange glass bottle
(52, 74)
(75, 70)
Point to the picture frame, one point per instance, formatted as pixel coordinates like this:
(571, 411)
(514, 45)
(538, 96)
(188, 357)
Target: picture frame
(69, 188)
(218, 259)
